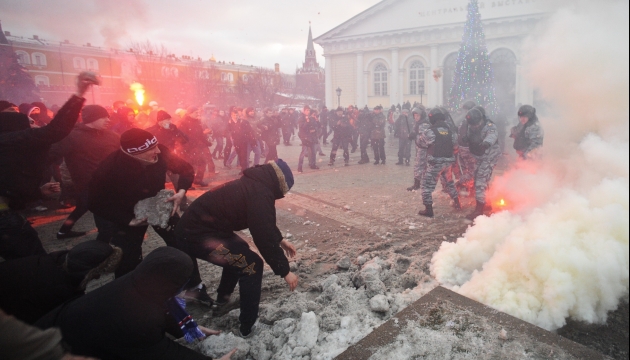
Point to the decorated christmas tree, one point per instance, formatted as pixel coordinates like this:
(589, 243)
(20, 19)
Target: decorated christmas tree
(473, 79)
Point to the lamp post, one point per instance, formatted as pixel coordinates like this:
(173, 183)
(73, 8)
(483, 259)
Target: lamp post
(338, 96)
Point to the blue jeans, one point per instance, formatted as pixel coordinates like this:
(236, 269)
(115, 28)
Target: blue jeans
(307, 150)
(256, 149)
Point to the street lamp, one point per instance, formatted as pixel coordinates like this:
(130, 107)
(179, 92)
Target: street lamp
(338, 96)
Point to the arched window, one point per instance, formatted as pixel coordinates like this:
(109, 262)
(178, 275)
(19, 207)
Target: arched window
(245, 78)
(449, 71)
(174, 72)
(38, 59)
(78, 63)
(92, 64)
(380, 80)
(230, 77)
(42, 80)
(23, 57)
(416, 78)
(504, 70)
(203, 74)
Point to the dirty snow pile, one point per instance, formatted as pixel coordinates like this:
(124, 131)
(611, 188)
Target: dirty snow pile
(562, 249)
(448, 332)
(334, 314)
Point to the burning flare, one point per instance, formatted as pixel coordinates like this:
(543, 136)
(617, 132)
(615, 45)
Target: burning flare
(138, 90)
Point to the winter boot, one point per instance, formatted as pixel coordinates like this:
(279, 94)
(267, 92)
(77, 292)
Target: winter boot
(415, 186)
(400, 161)
(199, 295)
(478, 211)
(428, 211)
(376, 162)
(456, 204)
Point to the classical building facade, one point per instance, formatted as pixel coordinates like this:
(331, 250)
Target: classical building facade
(405, 50)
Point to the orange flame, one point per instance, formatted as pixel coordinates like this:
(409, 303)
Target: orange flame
(138, 91)
(501, 202)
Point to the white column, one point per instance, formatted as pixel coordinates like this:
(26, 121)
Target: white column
(432, 91)
(393, 78)
(360, 86)
(328, 81)
(366, 87)
(401, 85)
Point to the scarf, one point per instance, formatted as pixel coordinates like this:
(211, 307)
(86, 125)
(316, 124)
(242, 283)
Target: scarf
(176, 307)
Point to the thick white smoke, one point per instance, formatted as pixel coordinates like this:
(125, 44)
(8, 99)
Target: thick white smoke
(561, 250)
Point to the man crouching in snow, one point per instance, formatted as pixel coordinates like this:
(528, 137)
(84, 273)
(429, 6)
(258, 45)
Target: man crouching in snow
(206, 231)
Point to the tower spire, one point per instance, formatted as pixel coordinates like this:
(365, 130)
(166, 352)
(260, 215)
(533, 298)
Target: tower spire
(309, 44)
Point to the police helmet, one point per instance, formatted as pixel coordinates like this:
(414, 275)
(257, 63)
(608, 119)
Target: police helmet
(436, 115)
(528, 111)
(474, 117)
(468, 104)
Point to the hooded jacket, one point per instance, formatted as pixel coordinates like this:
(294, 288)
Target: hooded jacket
(121, 181)
(24, 151)
(245, 203)
(127, 318)
(84, 149)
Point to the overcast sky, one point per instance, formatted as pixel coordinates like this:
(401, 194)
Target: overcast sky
(250, 32)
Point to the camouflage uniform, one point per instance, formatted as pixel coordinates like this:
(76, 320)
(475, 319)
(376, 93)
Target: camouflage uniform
(436, 167)
(421, 151)
(465, 159)
(528, 139)
(486, 159)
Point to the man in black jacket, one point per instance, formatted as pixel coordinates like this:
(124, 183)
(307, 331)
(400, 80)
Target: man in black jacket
(34, 285)
(84, 149)
(206, 231)
(342, 137)
(127, 318)
(197, 150)
(135, 172)
(308, 134)
(23, 159)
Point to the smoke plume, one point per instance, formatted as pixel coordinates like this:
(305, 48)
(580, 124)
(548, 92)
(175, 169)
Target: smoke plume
(561, 250)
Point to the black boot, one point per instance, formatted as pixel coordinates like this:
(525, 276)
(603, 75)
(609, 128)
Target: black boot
(456, 204)
(407, 162)
(428, 211)
(400, 161)
(364, 161)
(376, 162)
(415, 186)
(478, 211)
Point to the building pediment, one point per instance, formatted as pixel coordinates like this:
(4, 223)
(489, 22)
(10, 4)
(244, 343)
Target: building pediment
(399, 16)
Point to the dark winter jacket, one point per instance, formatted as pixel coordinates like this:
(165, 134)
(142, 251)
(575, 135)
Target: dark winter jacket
(365, 123)
(127, 318)
(24, 151)
(84, 149)
(241, 133)
(269, 126)
(341, 126)
(308, 131)
(34, 285)
(196, 149)
(404, 126)
(121, 181)
(245, 203)
(378, 132)
(168, 137)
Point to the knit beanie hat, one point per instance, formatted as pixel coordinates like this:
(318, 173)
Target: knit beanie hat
(286, 171)
(162, 115)
(91, 113)
(137, 141)
(87, 255)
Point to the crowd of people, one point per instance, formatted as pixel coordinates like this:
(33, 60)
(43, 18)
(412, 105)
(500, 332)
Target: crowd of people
(117, 156)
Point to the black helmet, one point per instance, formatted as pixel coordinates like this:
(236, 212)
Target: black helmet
(468, 104)
(474, 117)
(481, 109)
(436, 115)
(527, 111)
